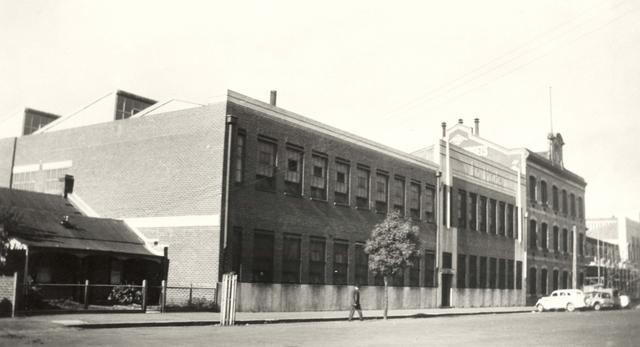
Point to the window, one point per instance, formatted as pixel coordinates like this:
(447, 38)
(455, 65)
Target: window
(429, 204)
(565, 240)
(446, 260)
(429, 269)
(565, 208)
(510, 221)
(555, 280)
(340, 262)
(493, 273)
(241, 141)
(54, 180)
(532, 189)
(532, 235)
(127, 105)
(473, 271)
(25, 180)
(483, 273)
(543, 282)
(316, 260)
(518, 275)
(492, 216)
(293, 175)
(398, 194)
(543, 236)
(445, 204)
(572, 205)
(502, 207)
(319, 177)
(581, 244)
(502, 273)
(263, 257)
(398, 278)
(342, 183)
(414, 272)
(510, 274)
(580, 209)
(414, 200)
(556, 206)
(266, 166)
(543, 193)
(462, 209)
(473, 211)
(462, 271)
(381, 192)
(532, 281)
(362, 263)
(556, 239)
(291, 259)
(483, 214)
(236, 261)
(34, 120)
(362, 188)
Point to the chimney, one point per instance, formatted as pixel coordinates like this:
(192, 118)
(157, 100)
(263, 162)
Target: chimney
(460, 121)
(274, 95)
(68, 185)
(444, 129)
(477, 122)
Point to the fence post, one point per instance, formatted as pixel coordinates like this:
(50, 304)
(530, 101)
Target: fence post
(232, 299)
(15, 294)
(223, 301)
(163, 295)
(144, 296)
(190, 293)
(228, 299)
(86, 294)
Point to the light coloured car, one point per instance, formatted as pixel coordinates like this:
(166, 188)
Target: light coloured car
(562, 299)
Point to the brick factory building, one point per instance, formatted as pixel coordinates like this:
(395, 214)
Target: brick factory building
(287, 202)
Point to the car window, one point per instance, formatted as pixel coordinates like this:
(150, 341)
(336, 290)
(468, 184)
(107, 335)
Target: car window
(563, 294)
(606, 295)
(554, 294)
(569, 293)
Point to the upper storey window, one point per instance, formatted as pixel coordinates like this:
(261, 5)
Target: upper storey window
(266, 166)
(532, 188)
(319, 177)
(128, 104)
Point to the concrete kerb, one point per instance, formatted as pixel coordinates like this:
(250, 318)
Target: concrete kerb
(115, 325)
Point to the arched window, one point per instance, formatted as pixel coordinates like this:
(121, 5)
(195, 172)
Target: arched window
(532, 234)
(532, 281)
(543, 193)
(544, 290)
(532, 189)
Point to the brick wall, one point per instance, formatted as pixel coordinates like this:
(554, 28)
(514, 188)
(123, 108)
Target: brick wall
(6, 293)
(6, 155)
(253, 209)
(165, 165)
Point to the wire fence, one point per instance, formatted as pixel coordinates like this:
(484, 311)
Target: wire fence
(86, 297)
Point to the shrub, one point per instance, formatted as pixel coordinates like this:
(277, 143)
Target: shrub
(125, 295)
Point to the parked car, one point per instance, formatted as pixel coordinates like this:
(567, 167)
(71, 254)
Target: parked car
(567, 299)
(600, 300)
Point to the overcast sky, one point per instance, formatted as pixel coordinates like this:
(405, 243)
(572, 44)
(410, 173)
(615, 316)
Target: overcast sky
(389, 71)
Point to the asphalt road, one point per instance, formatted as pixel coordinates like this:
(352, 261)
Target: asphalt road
(605, 328)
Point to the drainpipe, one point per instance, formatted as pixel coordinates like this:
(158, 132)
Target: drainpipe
(13, 162)
(574, 266)
(438, 232)
(231, 120)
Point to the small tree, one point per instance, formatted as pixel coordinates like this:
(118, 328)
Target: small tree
(8, 223)
(391, 247)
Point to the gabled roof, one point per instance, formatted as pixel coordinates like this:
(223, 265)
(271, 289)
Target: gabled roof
(40, 225)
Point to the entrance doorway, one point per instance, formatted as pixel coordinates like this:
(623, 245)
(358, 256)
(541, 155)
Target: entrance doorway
(447, 279)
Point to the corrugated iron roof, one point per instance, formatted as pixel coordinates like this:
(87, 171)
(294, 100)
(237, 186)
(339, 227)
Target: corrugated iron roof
(40, 224)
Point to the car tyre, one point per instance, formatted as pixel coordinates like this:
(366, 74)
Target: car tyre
(539, 308)
(570, 307)
(597, 306)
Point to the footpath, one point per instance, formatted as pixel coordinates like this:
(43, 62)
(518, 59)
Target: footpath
(132, 320)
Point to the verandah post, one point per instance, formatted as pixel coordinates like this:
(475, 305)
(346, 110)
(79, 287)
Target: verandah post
(144, 296)
(86, 294)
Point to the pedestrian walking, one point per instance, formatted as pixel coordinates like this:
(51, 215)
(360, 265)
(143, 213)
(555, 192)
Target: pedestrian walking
(355, 302)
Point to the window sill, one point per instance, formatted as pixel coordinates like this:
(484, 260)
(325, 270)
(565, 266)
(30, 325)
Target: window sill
(340, 204)
(299, 196)
(362, 208)
(318, 200)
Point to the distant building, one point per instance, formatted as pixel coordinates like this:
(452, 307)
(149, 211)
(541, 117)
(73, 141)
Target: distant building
(622, 271)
